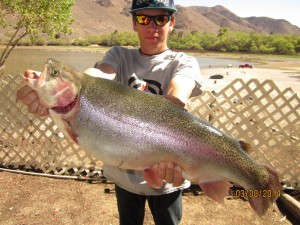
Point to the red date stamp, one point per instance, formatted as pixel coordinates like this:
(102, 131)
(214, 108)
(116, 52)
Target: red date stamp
(257, 193)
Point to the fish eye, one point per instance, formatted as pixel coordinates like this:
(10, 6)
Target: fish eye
(55, 73)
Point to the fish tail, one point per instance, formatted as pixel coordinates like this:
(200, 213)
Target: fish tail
(261, 200)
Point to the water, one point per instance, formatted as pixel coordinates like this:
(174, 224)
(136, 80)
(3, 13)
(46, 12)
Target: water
(33, 58)
(80, 58)
(217, 63)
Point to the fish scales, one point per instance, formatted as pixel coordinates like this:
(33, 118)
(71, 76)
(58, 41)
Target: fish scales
(139, 112)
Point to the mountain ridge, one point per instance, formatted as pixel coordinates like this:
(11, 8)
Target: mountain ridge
(106, 16)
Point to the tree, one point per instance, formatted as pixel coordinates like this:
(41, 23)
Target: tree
(33, 18)
(223, 31)
(283, 45)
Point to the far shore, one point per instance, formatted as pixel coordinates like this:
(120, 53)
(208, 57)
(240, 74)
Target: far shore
(282, 78)
(283, 70)
(285, 62)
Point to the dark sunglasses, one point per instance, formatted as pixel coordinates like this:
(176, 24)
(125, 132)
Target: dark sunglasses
(159, 20)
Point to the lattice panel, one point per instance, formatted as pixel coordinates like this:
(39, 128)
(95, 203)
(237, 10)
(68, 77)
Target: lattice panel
(34, 143)
(261, 115)
(256, 112)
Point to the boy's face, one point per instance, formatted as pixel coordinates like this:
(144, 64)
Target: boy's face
(152, 35)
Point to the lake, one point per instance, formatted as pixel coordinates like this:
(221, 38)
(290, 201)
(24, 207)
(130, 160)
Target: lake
(23, 58)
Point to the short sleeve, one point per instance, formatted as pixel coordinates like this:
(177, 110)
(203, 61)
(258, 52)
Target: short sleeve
(111, 57)
(189, 67)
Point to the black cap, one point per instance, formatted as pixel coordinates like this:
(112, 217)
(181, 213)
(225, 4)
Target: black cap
(167, 5)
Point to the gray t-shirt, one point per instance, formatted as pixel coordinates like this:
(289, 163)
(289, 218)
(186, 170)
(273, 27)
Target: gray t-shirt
(152, 74)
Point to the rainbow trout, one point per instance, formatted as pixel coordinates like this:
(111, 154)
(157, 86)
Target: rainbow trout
(130, 129)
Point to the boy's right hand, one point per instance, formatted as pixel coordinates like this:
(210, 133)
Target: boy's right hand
(30, 97)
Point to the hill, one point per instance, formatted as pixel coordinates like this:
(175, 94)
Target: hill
(105, 16)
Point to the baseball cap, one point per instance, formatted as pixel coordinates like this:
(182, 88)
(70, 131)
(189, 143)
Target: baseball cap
(167, 5)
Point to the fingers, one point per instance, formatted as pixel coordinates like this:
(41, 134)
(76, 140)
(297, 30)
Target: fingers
(167, 172)
(161, 170)
(23, 91)
(42, 111)
(177, 179)
(32, 74)
(30, 98)
(150, 175)
(35, 107)
(173, 174)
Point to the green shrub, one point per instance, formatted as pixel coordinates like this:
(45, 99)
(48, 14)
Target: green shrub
(81, 42)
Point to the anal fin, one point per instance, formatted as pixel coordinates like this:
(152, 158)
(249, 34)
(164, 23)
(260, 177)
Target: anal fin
(217, 190)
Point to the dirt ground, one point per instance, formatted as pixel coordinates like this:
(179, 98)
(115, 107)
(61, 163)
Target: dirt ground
(38, 200)
(29, 200)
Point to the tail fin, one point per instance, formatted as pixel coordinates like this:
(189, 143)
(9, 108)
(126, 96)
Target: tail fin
(261, 200)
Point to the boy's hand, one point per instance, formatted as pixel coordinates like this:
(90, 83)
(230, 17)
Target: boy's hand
(168, 172)
(30, 97)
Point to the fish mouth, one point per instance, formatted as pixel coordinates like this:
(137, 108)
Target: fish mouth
(67, 108)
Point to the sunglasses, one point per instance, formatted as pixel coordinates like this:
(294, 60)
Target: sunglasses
(159, 20)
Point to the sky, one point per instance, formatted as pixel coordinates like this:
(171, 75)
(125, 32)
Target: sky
(276, 9)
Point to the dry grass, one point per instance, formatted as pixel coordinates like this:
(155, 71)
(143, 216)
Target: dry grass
(37, 200)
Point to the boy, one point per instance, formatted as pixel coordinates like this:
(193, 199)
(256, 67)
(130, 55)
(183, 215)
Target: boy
(153, 68)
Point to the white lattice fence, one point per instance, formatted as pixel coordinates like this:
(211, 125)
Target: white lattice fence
(258, 113)
(261, 115)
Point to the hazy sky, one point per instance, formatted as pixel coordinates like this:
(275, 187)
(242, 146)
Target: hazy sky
(283, 9)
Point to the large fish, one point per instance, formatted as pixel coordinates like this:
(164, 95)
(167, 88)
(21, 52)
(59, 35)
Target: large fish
(131, 129)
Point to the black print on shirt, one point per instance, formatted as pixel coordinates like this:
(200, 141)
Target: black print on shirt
(146, 85)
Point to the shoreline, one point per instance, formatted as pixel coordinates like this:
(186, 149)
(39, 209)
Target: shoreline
(282, 78)
(283, 70)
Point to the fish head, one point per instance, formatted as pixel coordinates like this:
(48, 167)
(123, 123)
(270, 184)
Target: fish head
(57, 86)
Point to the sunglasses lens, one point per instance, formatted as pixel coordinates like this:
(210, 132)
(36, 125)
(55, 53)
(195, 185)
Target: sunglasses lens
(144, 20)
(161, 20)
